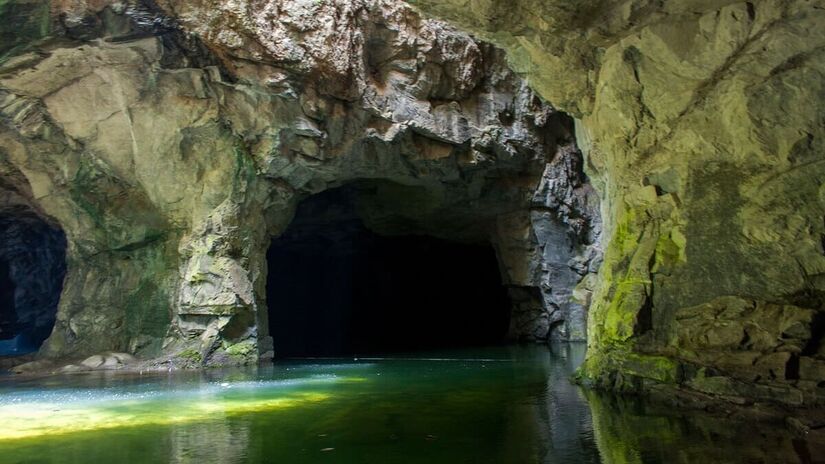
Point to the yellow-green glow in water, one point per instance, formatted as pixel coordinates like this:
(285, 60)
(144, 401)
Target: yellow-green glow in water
(77, 413)
(482, 406)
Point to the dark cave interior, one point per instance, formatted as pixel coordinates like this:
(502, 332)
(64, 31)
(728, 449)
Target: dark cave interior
(336, 288)
(32, 268)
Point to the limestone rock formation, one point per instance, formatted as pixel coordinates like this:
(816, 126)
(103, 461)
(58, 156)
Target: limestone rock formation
(172, 140)
(702, 124)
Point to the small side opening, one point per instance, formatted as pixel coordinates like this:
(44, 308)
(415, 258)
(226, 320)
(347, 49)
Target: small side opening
(32, 268)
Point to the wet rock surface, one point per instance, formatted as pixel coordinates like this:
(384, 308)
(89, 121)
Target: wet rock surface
(702, 130)
(171, 141)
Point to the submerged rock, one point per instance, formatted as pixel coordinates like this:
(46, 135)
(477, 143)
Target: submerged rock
(93, 361)
(108, 361)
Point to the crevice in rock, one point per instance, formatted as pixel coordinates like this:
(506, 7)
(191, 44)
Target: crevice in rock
(644, 319)
(711, 83)
(817, 335)
(822, 238)
(792, 368)
(751, 10)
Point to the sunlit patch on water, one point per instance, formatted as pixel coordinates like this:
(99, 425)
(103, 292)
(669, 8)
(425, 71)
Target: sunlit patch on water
(485, 406)
(31, 414)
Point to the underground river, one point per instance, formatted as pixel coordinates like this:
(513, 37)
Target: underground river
(497, 405)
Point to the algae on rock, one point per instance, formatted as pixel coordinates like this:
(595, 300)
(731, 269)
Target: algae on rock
(703, 132)
(172, 141)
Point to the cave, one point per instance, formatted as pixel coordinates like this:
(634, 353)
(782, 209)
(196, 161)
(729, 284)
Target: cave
(434, 214)
(32, 267)
(336, 287)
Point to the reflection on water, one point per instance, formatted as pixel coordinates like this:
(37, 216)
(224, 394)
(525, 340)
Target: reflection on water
(503, 405)
(217, 441)
(563, 416)
(629, 430)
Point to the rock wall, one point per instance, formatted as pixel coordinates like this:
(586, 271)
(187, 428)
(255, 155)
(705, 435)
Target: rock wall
(172, 140)
(703, 129)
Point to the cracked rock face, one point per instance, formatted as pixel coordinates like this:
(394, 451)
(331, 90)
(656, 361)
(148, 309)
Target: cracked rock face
(172, 141)
(702, 126)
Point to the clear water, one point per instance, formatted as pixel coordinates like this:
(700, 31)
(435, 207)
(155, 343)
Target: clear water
(503, 405)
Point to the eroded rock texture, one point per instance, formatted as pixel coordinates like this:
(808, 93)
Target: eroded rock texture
(172, 141)
(703, 127)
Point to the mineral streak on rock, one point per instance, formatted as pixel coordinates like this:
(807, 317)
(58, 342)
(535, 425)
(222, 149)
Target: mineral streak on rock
(172, 140)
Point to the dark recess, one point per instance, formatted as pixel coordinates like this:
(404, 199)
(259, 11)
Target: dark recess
(336, 288)
(32, 268)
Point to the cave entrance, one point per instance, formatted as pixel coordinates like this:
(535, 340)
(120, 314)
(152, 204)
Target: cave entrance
(336, 287)
(32, 267)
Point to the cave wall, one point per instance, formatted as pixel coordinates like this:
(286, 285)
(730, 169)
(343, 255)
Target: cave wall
(172, 140)
(703, 131)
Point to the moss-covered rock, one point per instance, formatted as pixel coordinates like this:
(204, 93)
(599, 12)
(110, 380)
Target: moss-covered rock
(703, 128)
(21, 23)
(172, 140)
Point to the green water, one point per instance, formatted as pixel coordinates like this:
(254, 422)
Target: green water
(503, 405)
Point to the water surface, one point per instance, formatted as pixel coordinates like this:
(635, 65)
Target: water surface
(501, 405)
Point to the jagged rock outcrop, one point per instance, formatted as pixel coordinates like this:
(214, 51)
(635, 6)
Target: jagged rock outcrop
(171, 141)
(703, 129)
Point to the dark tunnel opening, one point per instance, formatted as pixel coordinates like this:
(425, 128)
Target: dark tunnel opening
(32, 268)
(335, 287)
